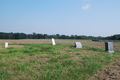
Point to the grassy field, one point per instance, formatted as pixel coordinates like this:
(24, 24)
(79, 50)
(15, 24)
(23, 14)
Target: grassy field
(42, 61)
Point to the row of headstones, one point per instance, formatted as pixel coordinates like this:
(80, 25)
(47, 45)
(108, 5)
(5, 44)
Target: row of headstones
(53, 43)
(108, 45)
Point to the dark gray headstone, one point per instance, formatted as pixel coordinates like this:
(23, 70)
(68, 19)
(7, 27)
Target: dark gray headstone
(78, 45)
(109, 47)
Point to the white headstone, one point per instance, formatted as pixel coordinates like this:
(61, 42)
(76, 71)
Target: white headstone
(78, 45)
(53, 41)
(6, 44)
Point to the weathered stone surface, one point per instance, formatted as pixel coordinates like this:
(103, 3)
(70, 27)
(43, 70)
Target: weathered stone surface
(53, 41)
(109, 47)
(78, 45)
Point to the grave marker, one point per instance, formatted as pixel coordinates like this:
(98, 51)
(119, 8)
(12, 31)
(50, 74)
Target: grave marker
(6, 44)
(78, 45)
(109, 47)
(53, 41)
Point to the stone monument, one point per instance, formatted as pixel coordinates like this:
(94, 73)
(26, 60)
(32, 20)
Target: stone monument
(78, 45)
(109, 47)
(53, 41)
(6, 44)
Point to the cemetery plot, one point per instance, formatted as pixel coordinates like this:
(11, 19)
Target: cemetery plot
(41, 60)
(68, 41)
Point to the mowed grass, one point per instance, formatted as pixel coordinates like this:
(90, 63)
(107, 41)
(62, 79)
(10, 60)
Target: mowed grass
(47, 62)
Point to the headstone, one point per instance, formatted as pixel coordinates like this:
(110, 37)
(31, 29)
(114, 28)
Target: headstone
(109, 47)
(6, 44)
(53, 41)
(78, 45)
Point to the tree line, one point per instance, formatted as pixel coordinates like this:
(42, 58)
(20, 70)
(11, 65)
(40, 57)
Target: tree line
(34, 35)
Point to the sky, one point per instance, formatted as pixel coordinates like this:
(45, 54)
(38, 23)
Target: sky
(64, 17)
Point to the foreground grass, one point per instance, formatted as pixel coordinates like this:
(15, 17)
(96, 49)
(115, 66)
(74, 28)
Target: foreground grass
(47, 62)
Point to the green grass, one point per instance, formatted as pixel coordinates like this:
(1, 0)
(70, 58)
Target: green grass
(53, 59)
(93, 48)
(78, 53)
(47, 62)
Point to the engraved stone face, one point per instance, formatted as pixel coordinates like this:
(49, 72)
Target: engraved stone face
(109, 47)
(78, 45)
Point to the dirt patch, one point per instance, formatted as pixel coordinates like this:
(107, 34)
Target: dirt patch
(2, 46)
(111, 72)
(28, 57)
(15, 46)
(12, 46)
(34, 57)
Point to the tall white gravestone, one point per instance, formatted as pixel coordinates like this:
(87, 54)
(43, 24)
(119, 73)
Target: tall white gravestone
(53, 41)
(6, 44)
(78, 45)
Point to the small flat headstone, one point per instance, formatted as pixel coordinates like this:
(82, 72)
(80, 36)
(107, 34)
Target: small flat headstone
(53, 41)
(78, 45)
(109, 47)
(6, 44)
